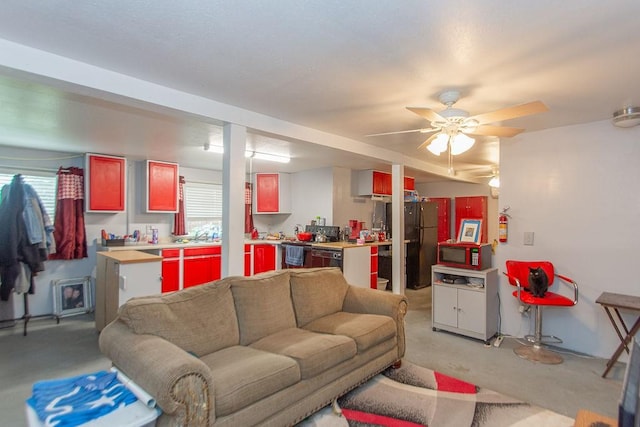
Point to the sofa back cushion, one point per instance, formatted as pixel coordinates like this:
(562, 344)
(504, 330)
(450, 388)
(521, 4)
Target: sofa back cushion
(200, 319)
(263, 304)
(317, 292)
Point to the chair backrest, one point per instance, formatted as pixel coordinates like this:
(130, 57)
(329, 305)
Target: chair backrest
(520, 271)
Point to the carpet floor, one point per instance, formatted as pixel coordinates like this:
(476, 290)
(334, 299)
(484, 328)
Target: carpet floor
(417, 396)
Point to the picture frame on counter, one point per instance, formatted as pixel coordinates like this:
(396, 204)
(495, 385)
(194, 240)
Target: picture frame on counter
(470, 231)
(72, 296)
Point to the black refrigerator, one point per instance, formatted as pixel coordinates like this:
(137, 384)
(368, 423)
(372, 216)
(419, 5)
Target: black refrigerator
(421, 232)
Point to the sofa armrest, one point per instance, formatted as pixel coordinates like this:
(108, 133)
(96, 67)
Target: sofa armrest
(371, 301)
(180, 382)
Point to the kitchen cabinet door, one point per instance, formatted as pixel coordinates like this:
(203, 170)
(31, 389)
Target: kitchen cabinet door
(162, 186)
(201, 265)
(170, 270)
(247, 260)
(271, 193)
(264, 258)
(445, 311)
(472, 207)
(105, 183)
(444, 217)
(374, 267)
(409, 183)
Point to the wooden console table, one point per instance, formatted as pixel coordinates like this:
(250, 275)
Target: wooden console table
(610, 301)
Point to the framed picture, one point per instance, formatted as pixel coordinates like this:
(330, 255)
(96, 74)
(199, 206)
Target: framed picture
(470, 231)
(72, 296)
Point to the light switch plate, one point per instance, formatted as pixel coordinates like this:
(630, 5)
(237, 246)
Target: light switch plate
(528, 238)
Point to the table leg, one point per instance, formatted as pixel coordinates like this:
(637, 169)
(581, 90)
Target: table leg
(622, 346)
(615, 324)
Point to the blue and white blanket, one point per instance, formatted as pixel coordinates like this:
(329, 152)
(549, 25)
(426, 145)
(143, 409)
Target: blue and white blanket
(77, 400)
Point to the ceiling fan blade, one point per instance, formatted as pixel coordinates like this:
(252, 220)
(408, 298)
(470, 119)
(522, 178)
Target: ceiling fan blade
(427, 113)
(427, 142)
(488, 130)
(510, 113)
(425, 130)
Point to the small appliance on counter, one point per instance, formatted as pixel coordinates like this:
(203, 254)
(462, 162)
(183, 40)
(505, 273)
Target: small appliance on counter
(470, 256)
(331, 233)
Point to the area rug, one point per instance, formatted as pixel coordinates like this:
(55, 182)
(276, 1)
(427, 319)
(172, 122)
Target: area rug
(415, 396)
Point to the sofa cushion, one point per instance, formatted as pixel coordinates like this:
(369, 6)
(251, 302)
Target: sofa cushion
(315, 353)
(200, 319)
(366, 329)
(263, 303)
(244, 375)
(317, 292)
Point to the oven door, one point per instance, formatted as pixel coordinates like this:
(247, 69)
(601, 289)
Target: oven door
(306, 256)
(326, 258)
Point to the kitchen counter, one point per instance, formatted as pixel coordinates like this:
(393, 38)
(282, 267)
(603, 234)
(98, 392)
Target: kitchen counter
(346, 245)
(149, 246)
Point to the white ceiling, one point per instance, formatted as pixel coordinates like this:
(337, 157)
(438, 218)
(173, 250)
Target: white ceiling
(348, 68)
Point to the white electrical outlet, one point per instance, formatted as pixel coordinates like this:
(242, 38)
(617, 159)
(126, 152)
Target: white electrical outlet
(528, 238)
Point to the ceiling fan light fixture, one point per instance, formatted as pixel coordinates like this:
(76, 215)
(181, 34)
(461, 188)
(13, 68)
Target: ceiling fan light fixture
(439, 144)
(461, 143)
(627, 117)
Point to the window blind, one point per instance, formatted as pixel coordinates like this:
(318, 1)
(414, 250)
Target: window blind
(203, 201)
(45, 186)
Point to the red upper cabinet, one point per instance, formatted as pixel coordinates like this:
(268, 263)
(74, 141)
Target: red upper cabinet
(106, 183)
(271, 193)
(372, 182)
(409, 183)
(472, 207)
(162, 186)
(377, 183)
(381, 183)
(444, 217)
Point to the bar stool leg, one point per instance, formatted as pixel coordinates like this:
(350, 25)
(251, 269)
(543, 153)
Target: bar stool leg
(535, 352)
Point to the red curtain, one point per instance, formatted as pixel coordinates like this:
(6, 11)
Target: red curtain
(248, 218)
(178, 219)
(69, 232)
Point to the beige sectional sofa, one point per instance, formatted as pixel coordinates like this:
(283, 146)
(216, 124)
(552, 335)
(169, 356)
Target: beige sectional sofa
(264, 350)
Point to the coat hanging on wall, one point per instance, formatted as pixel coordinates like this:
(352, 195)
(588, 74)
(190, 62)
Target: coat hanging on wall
(25, 230)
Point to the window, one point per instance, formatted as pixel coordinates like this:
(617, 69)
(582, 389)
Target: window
(203, 209)
(45, 186)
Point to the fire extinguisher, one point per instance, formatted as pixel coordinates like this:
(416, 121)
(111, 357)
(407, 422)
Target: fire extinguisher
(503, 225)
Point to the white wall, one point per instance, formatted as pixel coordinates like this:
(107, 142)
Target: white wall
(346, 205)
(576, 189)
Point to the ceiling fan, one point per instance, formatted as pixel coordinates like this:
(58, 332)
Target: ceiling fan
(453, 125)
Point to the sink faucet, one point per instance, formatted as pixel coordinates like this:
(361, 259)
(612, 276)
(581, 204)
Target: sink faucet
(201, 235)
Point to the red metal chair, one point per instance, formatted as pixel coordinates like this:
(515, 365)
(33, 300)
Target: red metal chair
(518, 274)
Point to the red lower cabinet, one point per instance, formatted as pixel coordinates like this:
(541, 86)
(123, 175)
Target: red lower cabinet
(247, 260)
(264, 258)
(170, 270)
(201, 265)
(374, 267)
